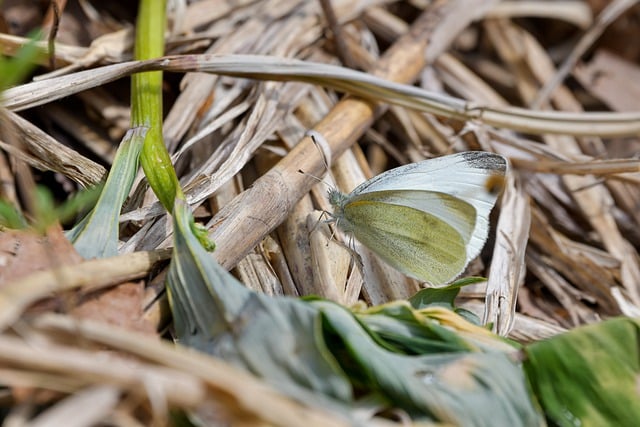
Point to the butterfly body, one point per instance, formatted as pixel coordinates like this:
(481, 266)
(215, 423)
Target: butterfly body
(426, 219)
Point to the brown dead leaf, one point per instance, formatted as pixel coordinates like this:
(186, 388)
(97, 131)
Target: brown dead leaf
(122, 306)
(613, 80)
(621, 31)
(22, 16)
(30, 395)
(23, 252)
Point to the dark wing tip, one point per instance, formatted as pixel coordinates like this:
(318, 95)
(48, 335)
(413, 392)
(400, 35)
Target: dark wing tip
(485, 160)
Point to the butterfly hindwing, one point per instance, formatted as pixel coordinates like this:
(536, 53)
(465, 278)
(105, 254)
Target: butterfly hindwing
(454, 211)
(416, 243)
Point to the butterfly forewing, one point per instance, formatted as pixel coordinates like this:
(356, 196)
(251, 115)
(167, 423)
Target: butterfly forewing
(463, 176)
(429, 249)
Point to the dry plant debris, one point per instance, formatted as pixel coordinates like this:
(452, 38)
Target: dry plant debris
(553, 86)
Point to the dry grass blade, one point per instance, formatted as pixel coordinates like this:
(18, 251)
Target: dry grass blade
(589, 194)
(508, 266)
(590, 167)
(16, 296)
(549, 85)
(525, 328)
(332, 265)
(613, 11)
(575, 12)
(176, 387)
(238, 392)
(71, 412)
(365, 85)
(66, 54)
(271, 197)
(44, 152)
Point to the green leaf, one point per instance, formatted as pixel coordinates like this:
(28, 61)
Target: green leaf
(46, 213)
(10, 217)
(14, 70)
(78, 203)
(590, 375)
(444, 297)
(96, 236)
(202, 234)
(277, 339)
(400, 328)
(466, 389)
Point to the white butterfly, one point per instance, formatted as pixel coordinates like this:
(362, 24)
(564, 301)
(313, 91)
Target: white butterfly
(426, 219)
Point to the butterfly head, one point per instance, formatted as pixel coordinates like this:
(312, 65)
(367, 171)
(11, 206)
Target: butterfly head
(337, 199)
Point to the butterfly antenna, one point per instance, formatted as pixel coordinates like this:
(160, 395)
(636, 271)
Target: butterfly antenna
(325, 154)
(322, 145)
(320, 180)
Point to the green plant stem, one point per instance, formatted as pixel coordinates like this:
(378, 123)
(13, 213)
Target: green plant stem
(146, 104)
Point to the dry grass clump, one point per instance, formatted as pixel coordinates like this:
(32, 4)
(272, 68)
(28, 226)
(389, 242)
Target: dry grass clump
(550, 85)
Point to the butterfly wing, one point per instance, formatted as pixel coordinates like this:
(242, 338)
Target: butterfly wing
(417, 243)
(468, 176)
(459, 214)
